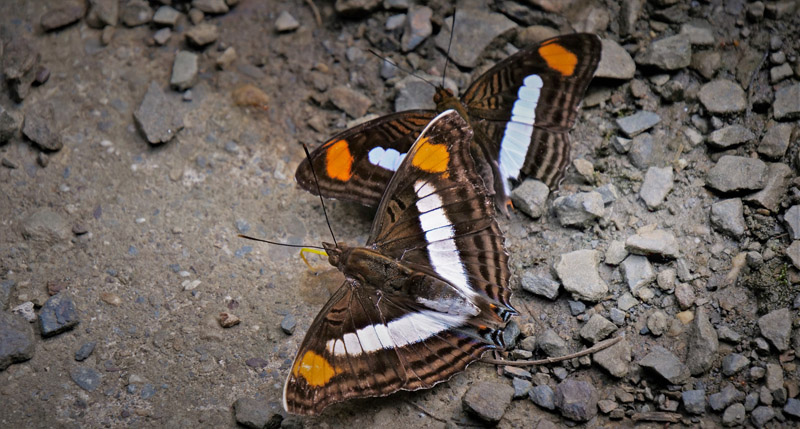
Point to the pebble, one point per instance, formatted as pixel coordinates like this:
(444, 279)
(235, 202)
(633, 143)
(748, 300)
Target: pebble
(355, 7)
(551, 344)
(637, 272)
(751, 401)
(722, 97)
(727, 216)
(521, 387)
(776, 140)
(615, 62)
(729, 136)
(418, 27)
(597, 328)
(202, 34)
(6, 287)
(728, 395)
(787, 103)
(733, 415)
(286, 22)
(476, 29)
(543, 396)
(733, 363)
(703, 344)
(627, 301)
(16, 339)
(776, 327)
(792, 220)
(135, 12)
(664, 363)
(103, 13)
(657, 184)
(706, 63)
(350, 101)
(700, 33)
(762, 415)
(516, 373)
(196, 16)
(579, 275)
(39, 120)
(792, 408)
(26, 311)
(488, 400)
(793, 252)
(576, 400)
(62, 16)
(249, 95)
(58, 314)
(158, 120)
(666, 279)
(617, 316)
(7, 163)
(394, 22)
(87, 378)
(539, 285)
(669, 53)
(165, 15)
(774, 377)
(288, 324)
(579, 210)
(210, 6)
(228, 320)
(585, 169)
(616, 253)
(184, 71)
(638, 123)
(257, 414)
(737, 173)
(615, 359)
(161, 37)
(226, 59)
(85, 351)
(727, 334)
(645, 151)
(694, 401)
(20, 60)
(657, 323)
(111, 298)
(685, 295)
(779, 177)
(530, 197)
(10, 122)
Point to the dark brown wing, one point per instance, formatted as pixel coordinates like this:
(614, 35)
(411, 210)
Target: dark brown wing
(356, 164)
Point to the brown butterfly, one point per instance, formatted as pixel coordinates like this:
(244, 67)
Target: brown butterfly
(428, 293)
(521, 111)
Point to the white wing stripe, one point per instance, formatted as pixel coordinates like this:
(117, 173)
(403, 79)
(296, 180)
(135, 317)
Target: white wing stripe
(518, 132)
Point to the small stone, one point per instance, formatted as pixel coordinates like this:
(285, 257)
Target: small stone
(638, 123)
(609, 193)
(530, 198)
(579, 209)
(16, 339)
(637, 272)
(615, 62)
(67, 13)
(694, 401)
(727, 216)
(162, 36)
(722, 97)
(669, 53)
(521, 387)
(85, 351)
(645, 151)
(617, 316)
(475, 31)
(250, 95)
(774, 377)
(210, 6)
(111, 299)
(543, 396)
(733, 415)
(597, 328)
(787, 103)
(184, 71)
(418, 27)
(792, 220)
(38, 126)
(616, 253)
(228, 320)
(158, 120)
(103, 13)
(10, 122)
(725, 397)
(615, 359)
(727, 334)
(256, 414)
(551, 344)
(579, 274)
(350, 101)
(57, 315)
(196, 16)
(700, 33)
(657, 184)
(732, 135)
(666, 279)
(539, 285)
(7, 163)
(793, 252)
(666, 365)
(395, 21)
(107, 35)
(87, 378)
(226, 59)
(657, 323)
(706, 63)
(776, 327)
(135, 12)
(202, 34)
(286, 22)
(733, 363)
(20, 61)
(166, 15)
(488, 400)
(792, 408)
(737, 173)
(779, 176)
(626, 302)
(703, 344)
(762, 415)
(26, 311)
(288, 324)
(685, 295)
(576, 400)
(779, 73)
(576, 308)
(606, 406)
(776, 140)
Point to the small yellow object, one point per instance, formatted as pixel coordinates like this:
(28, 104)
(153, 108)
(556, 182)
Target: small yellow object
(309, 250)
(431, 157)
(315, 369)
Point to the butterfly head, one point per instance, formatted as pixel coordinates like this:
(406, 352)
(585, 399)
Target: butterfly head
(335, 252)
(442, 95)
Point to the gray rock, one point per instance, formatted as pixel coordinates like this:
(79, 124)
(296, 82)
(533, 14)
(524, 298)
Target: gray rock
(776, 140)
(731, 135)
(725, 397)
(476, 29)
(637, 272)
(58, 314)
(166, 15)
(510, 334)
(615, 62)
(657, 184)
(256, 414)
(616, 253)
(38, 126)
(727, 334)
(288, 324)
(694, 401)
(579, 275)
(645, 151)
(627, 301)
(16, 339)
(576, 400)
(184, 71)
(579, 209)
(551, 344)
(162, 36)
(774, 377)
(779, 73)
(156, 117)
(609, 193)
(65, 14)
(393, 23)
(350, 101)
(793, 252)
(576, 308)
(488, 400)
(202, 34)
(703, 344)
(733, 415)
(706, 63)
(666, 279)
(597, 328)
(792, 408)
(638, 123)
(521, 387)
(412, 94)
(543, 396)
(737, 173)
(286, 22)
(6, 287)
(210, 6)
(20, 61)
(751, 401)
(539, 285)
(10, 123)
(355, 7)
(727, 216)
(669, 53)
(418, 27)
(662, 362)
(733, 363)
(46, 226)
(699, 33)
(87, 378)
(617, 316)
(722, 97)
(85, 351)
(657, 323)
(685, 295)
(787, 103)
(615, 359)
(26, 311)
(779, 177)
(103, 13)
(761, 416)
(776, 327)
(792, 220)
(628, 15)
(530, 197)
(135, 12)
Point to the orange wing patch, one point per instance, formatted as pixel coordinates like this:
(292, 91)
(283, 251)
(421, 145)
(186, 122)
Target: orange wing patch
(433, 158)
(339, 161)
(559, 58)
(315, 369)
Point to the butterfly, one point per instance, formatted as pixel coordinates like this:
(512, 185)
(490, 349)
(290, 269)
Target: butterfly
(521, 111)
(427, 295)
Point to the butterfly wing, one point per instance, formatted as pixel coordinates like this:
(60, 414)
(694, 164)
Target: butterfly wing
(356, 164)
(523, 108)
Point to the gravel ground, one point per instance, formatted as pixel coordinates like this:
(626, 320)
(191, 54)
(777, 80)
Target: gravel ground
(137, 140)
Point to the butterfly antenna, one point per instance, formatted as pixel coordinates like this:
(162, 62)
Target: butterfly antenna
(319, 192)
(407, 71)
(277, 243)
(449, 44)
